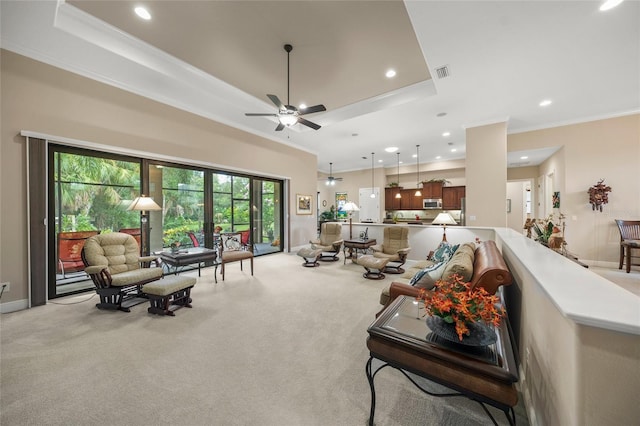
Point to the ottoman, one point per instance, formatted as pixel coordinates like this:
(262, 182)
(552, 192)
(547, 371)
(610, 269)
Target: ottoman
(310, 256)
(373, 266)
(171, 290)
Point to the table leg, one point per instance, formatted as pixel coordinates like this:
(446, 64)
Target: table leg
(370, 378)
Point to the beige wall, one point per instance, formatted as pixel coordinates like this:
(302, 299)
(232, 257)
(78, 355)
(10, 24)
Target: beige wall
(486, 174)
(41, 98)
(603, 149)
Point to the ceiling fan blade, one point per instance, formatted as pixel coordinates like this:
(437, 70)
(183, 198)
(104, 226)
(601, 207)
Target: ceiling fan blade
(276, 101)
(280, 127)
(313, 109)
(259, 114)
(308, 123)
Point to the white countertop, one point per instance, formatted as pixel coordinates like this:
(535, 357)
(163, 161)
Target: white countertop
(577, 292)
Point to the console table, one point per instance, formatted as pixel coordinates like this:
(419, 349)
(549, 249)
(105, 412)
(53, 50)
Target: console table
(401, 339)
(355, 245)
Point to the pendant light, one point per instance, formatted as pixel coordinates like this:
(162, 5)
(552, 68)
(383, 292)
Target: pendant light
(418, 192)
(398, 178)
(373, 194)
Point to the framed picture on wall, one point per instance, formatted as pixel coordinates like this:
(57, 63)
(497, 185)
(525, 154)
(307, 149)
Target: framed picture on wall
(303, 204)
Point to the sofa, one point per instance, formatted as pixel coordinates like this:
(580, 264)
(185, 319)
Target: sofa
(480, 264)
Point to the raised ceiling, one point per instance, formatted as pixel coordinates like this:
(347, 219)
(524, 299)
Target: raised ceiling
(219, 59)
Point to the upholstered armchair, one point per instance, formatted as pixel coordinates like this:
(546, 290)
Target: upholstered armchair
(116, 268)
(395, 247)
(329, 241)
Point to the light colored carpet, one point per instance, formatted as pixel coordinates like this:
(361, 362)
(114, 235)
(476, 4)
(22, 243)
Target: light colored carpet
(630, 281)
(285, 347)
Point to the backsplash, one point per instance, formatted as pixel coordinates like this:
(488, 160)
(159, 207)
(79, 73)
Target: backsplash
(424, 215)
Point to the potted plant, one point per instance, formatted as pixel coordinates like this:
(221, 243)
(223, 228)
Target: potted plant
(455, 309)
(444, 182)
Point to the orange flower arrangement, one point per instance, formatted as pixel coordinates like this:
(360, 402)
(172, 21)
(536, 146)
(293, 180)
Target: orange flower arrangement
(456, 303)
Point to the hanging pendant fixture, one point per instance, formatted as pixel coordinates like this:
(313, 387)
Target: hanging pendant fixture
(398, 178)
(373, 194)
(418, 192)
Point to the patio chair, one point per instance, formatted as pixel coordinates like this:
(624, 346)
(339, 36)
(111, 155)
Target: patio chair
(70, 246)
(629, 241)
(330, 241)
(233, 250)
(116, 268)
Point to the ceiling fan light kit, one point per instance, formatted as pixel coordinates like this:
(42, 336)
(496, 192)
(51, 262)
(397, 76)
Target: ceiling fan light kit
(288, 115)
(331, 181)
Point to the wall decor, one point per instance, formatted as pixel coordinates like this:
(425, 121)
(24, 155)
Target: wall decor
(341, 199)
(303, 204)
(556, 200)
(598, 195)
(508, 205)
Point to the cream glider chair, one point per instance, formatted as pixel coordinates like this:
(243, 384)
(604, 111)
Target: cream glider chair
(116, 268)
(395, 247)
(330, 241)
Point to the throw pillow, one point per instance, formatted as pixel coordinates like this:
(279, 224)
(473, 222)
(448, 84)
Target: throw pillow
(444, 252)
(462, 264)
(231, 242)
(424, 271)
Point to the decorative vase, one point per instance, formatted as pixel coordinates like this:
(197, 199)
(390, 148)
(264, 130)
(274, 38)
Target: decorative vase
(480, 334)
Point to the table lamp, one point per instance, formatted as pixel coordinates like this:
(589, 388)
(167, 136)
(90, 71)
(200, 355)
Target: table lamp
(144, 204)
(350, 207)
(444, 219)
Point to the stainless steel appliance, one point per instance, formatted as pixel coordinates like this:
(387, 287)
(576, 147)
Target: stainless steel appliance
(432, 203)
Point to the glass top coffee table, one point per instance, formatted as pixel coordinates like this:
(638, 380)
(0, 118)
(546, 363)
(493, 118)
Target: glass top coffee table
(401, 339)
(190, 256)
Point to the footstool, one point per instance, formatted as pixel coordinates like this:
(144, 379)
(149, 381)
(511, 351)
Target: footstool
(373, 265)
(310, 256)
(171, 290)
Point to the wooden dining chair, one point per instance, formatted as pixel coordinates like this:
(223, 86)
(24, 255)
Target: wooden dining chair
(233, 250)
(629, 241)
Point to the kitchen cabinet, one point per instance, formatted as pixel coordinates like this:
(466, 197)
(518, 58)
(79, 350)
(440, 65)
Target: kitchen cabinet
(452, 196)
(432, 190)
(390, 200)
(410, 201)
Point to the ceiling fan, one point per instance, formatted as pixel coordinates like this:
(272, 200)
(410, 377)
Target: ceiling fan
(288, 115)
(331, 181)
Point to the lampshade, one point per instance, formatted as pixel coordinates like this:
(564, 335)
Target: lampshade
(350, 206)
(144, 203)
(444, 218)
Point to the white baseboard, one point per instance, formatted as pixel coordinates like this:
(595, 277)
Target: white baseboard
(16, 305)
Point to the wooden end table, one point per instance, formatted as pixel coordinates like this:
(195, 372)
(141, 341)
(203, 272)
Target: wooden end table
(401, 339)
(354, 246)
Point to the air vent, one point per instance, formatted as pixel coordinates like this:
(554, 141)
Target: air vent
(442, 72)
(519, 164)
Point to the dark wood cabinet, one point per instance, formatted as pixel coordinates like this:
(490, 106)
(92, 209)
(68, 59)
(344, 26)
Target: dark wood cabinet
(390, 200)
(432, 190)
(452, 196)
(410, 201)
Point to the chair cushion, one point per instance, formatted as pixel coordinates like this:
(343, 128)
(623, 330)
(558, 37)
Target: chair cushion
(230, 256)
(119, 252)
(135, 276)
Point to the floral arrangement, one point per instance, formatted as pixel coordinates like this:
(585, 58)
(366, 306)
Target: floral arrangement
(455, 302)
(545, 227)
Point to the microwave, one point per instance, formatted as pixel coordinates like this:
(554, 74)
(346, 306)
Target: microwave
(432, 203)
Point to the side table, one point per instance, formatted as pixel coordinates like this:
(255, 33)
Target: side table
(355, 245)
(401, 339)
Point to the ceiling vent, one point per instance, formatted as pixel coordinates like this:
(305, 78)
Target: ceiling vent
(443, 71)
(519, 164)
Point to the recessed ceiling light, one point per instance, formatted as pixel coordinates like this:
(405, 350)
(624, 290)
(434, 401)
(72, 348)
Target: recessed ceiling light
(391, 149)
(302, 106)
(453, 150)
(143, 13)
(391, 73)
(438, 157)
(379, 161)
(415, 155)
(524, 157)
(401, 162)
(446, 134)
(609, 4)
(545, 103)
